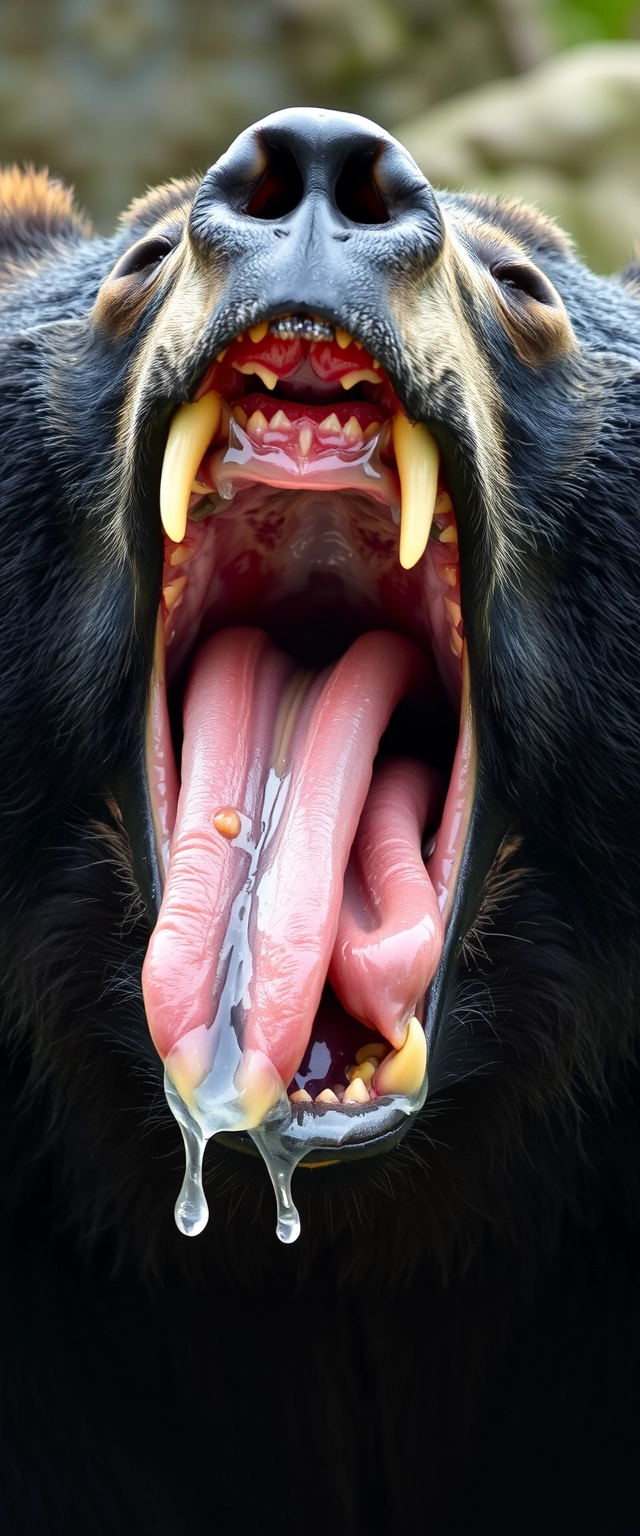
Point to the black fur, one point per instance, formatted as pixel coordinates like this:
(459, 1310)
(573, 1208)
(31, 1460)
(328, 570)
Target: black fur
(453, 1345)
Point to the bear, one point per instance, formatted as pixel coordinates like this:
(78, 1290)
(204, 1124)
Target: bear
(325, 634)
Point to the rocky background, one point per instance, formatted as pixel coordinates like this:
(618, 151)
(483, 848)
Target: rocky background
(539, 98)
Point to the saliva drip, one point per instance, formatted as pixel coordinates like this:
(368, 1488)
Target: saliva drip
(218, 1101)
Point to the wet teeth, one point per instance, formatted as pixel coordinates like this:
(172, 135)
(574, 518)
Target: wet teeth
(220, 355)
(328, 1097)
(364, 1071)
(301, 1097)
(356, 1093)
(330, 424)
(418, 458)
(239, 415)
(258, 332)
(372, 430)
(403, 1071)
(359, 376)
(269, 378)
(343, 338)
(279, 422)
(258, 422)
(449, 535)
(181, 554)
(353, 431)
(173, 592)
(305, 440)
(449, 574)
(191, 431)
(372, 1052)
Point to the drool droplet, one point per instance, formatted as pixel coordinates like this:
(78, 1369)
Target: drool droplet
(191, 1209)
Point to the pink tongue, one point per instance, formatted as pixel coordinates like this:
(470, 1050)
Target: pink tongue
(259, 734)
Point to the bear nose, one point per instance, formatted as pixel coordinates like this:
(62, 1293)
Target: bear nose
(305, 162)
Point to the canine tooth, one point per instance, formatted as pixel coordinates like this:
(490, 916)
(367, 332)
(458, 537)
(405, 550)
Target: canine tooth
(172, 591)
(330, 424)
(372, 430)
(356, 1093)
(305, 440)
(257, 423)
(227, 822)
(343, 338)
(353, 431)
(269, 378)
(358, 376)
(363, 1072)
(403, 1071)
(453, 609)
(279, 422)
(181, 554)
(417, 458)
(376, 1050)
(239, 415)
(190, 433)
(449, 535)
(327, 1097)
(301, 1097)
(258, 332)
(455, 642)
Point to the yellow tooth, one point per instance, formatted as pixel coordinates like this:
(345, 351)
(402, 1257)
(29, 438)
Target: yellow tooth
(353, 431)
(279, 422)
(227, 822)
(417, 458)
(364, 1072)
(453, 609)
(327, 1097)
(181, 554)
(449, 574)
(356, 1093)
(372, 430)
(449, 535)
(221, 354)
(343, 338)
(239, 415)
(257, 423)
(190, 433)
(269, 378)
(258, 332)
(330, 424)
(305, 440)
(403, 1071)
(455, 642)
(444, 502)
(172, 591)
(358, 376)
(301, 1097)
(376, 1049)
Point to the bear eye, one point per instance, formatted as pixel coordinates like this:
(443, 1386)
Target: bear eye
(522, 278)
(146, 254)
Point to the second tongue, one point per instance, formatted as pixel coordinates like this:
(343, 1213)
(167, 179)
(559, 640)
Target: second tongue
(255, 729)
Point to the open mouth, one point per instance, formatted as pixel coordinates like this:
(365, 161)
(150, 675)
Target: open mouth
(310, 754)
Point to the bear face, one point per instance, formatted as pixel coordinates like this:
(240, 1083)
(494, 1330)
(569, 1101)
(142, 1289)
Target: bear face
(243, 363)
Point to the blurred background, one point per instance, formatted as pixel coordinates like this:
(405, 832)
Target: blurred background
(537, 98)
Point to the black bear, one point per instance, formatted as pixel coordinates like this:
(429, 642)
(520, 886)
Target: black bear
(319, 770)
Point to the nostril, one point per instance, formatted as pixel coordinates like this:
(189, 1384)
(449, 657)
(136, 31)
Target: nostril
(280, 188)
(358, 195)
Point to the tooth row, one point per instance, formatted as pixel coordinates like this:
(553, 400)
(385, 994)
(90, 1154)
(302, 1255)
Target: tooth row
(388, 1072)
(195, 425)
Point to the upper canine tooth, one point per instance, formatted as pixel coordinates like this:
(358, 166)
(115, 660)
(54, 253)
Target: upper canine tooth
(417, 458)
(403, 1071)
(269, 378)
(359, 375)
(190, 433)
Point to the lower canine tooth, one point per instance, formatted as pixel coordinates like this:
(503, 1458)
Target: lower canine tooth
(403, 1071)
(418, 458)
(191, 431)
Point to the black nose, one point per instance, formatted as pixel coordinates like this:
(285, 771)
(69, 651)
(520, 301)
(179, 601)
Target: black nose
(307, 205)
